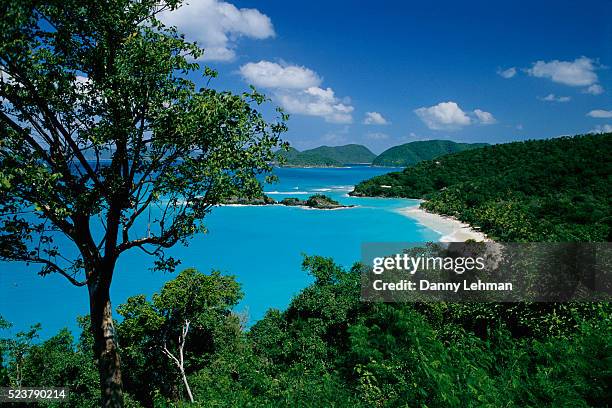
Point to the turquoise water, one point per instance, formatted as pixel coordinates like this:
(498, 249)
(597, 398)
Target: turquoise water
(261, 246)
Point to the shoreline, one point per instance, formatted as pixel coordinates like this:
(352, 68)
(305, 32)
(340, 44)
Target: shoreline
(451, 229)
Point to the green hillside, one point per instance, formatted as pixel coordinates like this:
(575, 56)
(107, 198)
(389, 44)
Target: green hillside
(414, 152)
(327, 156)
(347, 154)
(291, 154)
(538, 190)
(295, 158)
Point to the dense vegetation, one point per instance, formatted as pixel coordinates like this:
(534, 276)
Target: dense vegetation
(326, 156)
(347, 154)
(168, 140)
(108, 80)
(318, 201)
(329, 349)
(295, 158)
(538, 190)
(414, 152)
(397, 156)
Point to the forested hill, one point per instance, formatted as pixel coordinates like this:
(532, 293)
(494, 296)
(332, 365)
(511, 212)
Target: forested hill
(539, 190)
(398, 156)
(347, 154)
(414, 152)
(328, 156)
(294, 157)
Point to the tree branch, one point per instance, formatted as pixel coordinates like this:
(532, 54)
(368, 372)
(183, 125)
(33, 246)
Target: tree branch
(52, 265)
(59, 127)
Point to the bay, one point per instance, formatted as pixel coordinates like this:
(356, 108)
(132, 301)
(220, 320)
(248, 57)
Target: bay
(263, 246)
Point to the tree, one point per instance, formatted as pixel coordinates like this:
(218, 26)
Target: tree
(16, 350)
(101, 124)
(56, 362)
(4, 346)
(176, 332)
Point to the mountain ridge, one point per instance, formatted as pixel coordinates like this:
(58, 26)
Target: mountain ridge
(403, 155)
(411, 153)
(328, 156)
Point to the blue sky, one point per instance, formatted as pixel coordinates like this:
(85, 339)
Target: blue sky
(386, 73)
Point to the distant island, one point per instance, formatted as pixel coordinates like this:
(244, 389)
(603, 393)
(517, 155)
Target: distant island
(327, 156)
(555, 190)
(397, 156)
(414, 152)
(317, 201)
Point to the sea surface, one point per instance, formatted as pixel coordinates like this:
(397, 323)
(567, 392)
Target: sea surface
(262, 246)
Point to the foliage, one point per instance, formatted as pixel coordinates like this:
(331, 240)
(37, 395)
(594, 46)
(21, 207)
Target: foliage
(321, 201)
(329, 349)
(56, 362)
(552, 190)
(293, 157)
(149, 327)
(347, 154)
(326, 156)
(411, 153)
(100, 122)
(81, 82)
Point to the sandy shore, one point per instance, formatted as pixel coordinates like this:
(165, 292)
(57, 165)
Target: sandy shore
(452, 230)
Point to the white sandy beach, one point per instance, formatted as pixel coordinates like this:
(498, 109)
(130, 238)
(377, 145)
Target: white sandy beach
(452, 230)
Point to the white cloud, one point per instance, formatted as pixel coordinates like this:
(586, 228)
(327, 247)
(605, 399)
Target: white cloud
(600, 113)
(297, 90)
(580, 72)
(315, 101)
(607, 128)
(216, 25)
(485, 118)
(443, 116)
(272, 75)
(507, 73)
(554, 98)
(374, 118)
(594, 89)
(449, 116)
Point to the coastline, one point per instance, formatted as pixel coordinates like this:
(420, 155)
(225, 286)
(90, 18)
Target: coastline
(451, 229)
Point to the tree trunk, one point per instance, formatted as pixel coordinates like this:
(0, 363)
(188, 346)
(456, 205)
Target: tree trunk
(189, 394)
(105, 345)
(183, 341)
